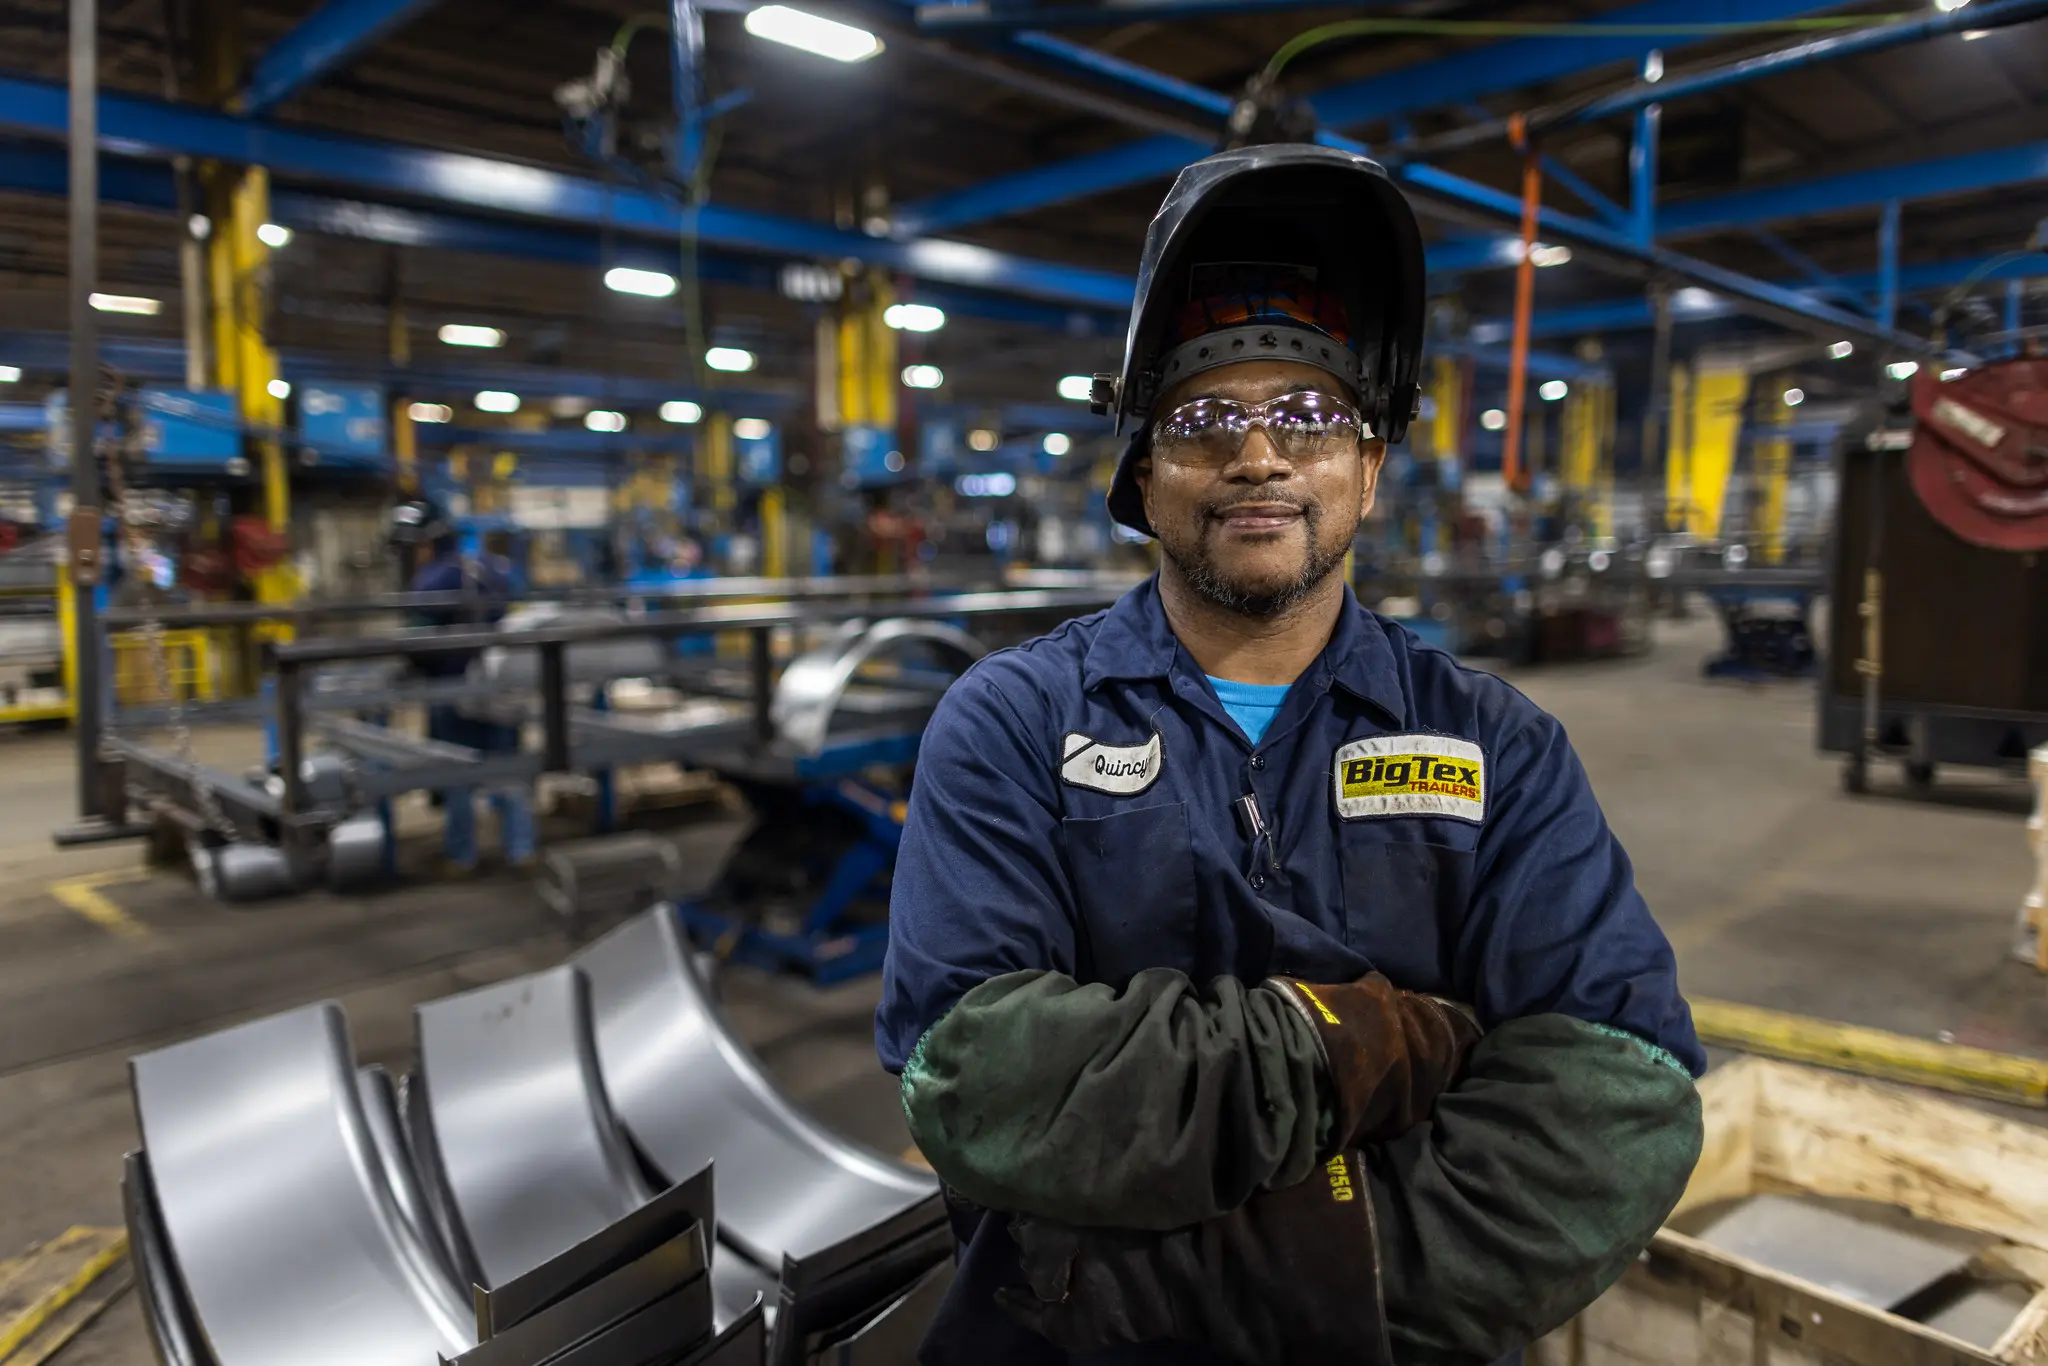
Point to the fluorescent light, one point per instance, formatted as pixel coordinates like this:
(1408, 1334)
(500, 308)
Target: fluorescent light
(1950, 6)
(1056, 443)
(1653, 66)
(1554, 390)
(1842, 350)
(733, 359)
(200, 226)
(468, 334)
(1903, 369)
(274, 235)
(840, 42)
(1493, 419)
(10, 374)
(1972, 35)
(1950, 376)
(430, 412)
(681, 411)
(982, 439)
(999, 484)
(1794, 397)
(126, 303)
(923, 376)
(914, 317)
(604, 420)
(279, 388)
(1077, 387)
(652, 284)
(1693, 299)
(753, 429)
(496, 401)
(1545, 256)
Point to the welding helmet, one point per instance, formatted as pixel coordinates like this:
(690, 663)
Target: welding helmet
(1286, 251)
(419, 521)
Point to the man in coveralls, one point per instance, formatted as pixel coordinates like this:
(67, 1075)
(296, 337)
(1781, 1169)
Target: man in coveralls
(1265, 986)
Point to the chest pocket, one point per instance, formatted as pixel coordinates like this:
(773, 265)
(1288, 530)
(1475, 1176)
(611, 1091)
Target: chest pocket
(1134, 879)
(1404, 906)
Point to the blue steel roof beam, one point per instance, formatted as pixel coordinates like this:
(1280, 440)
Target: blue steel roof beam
(1869, 189)
(324, 39)
(1983, 15)
(154, 129)
(1464, 76)
(1761, 298)
(1824, 283)
(980, 16)
(1090, 62)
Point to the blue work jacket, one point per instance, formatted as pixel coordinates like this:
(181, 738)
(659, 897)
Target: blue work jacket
(1077, 807)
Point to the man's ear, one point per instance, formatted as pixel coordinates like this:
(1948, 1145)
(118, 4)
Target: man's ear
(1373, 454)
(1141, 474)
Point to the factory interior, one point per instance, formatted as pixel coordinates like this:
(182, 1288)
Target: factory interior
(547, 462)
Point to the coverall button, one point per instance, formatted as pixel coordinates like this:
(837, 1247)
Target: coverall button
(1258, 761)
(1258, 881)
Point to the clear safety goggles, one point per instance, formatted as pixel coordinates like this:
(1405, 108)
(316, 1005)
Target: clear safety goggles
(1304, 427)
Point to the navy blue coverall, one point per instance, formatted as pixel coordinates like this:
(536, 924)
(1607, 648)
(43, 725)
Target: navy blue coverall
(1073, 810)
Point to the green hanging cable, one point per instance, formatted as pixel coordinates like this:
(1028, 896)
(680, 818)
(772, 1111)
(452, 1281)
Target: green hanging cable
(1501, 28)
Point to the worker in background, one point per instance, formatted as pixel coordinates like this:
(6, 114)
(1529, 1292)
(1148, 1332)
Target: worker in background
(1266, 986)
(485, 582)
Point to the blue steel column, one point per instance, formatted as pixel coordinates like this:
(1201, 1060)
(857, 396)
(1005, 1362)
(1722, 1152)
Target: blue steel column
(2015, 296)
(1642, 171)
(686, 69)
(1888, 265)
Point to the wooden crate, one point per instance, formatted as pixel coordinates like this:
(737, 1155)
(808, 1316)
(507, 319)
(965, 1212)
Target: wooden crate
(1775, 1128)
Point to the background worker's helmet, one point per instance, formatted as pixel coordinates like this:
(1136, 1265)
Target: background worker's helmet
(1287, 250)
(418, 521)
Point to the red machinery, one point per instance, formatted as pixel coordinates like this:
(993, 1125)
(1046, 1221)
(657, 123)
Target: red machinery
(1979, 459)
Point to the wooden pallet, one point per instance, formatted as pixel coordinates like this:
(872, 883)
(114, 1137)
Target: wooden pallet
(1776, 1128)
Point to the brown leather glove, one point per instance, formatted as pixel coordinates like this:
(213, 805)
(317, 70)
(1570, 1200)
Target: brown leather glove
(1291, 1275)
(1387, 1053)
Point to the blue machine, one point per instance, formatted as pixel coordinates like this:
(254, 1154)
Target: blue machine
(829, 945)
(872, 455)
(184, 431)
(343, 426)
(758, 459)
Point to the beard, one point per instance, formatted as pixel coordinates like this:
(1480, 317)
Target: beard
(1194, 556)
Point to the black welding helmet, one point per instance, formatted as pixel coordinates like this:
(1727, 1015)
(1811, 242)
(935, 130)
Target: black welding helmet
(1286, 251)
(419, 521)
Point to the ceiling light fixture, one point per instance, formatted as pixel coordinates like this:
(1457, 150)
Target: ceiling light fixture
(469, 334)
(1903, 369)
(1077, 388)
(1056, 443)
(279, 388)
(1554, 390)
(753, 429)
(604, 420)
(914, 317)
(731, 359)
(1493, 419)
(982, 439)
(1794, 397)
(430, 412)
(1842, 350)
(496, 401)
(274, 235)
(681, 411)
(1546, 256)
(126, 303)
(923, 376)
(10, 374)
(650, 284)
(823, 37)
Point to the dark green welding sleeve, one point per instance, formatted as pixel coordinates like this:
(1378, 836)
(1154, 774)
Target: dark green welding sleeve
(1151, 1108)
(1540, 1177)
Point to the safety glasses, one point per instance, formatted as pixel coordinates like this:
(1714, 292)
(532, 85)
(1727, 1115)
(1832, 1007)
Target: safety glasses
(1304, 427)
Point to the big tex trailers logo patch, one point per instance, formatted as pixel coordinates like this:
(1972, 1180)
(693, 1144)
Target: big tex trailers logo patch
(1411, 775)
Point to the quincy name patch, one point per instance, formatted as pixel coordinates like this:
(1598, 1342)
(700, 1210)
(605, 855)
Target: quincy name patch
(1411, 775)
(1120, 770)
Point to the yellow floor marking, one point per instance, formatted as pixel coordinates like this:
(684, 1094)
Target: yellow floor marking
(27, 1306)
(1873, 1052)
(82, 894)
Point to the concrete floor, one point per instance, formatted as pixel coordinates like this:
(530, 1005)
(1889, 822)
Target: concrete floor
(1777, 889)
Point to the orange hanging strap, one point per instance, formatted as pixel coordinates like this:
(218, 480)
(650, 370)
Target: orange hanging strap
(1525, 301)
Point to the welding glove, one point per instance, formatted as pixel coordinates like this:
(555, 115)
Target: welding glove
(1387, 1054)
(1160, 1106)
(1292, 1275)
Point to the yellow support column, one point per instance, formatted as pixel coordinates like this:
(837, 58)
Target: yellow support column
(1708, 405)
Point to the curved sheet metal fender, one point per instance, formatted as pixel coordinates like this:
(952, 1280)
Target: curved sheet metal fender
(808, 694)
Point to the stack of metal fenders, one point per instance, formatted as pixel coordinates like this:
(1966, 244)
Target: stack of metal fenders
(588, 1169)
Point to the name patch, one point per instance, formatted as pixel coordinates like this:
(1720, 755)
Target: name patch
(1411, 775)
(1120, 770)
